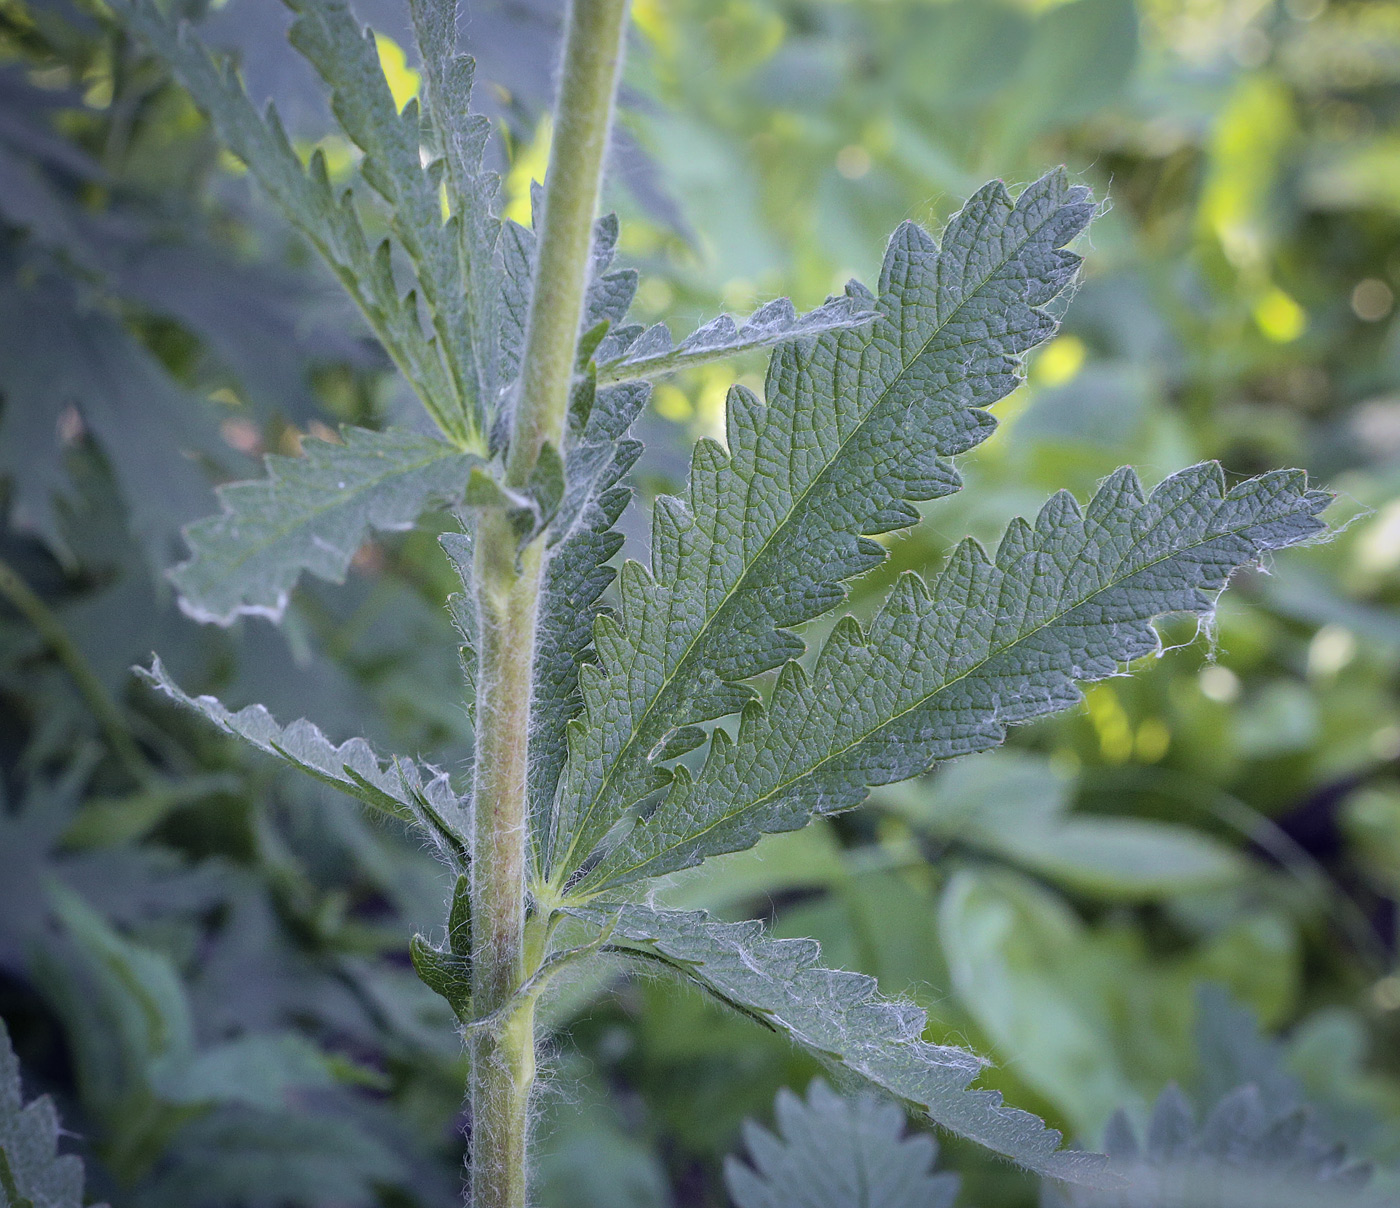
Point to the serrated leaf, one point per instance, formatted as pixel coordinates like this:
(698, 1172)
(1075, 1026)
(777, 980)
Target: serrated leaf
(582, 542)
(398, 786)
(461, 135)
(311, 513)
(858, 425)
(631, 353)
(346, 56)
(835, 1152)
(329, 219)
(841, 1019)
(948, 664)
(581, 537)
(32, 1172)
(606, 300)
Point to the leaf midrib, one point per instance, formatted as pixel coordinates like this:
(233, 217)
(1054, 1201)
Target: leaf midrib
(815, 768)
(562, 864)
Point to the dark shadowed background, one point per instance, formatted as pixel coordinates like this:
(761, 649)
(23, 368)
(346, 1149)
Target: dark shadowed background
(1194, 877)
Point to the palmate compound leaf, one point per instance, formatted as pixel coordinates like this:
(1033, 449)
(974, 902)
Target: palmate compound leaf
(835, 1152)
(311, 513)
(1248, 1152)
(32, 1174)
(948, 664)
(857, 424)
(327, 217)
(842, 1020)
(398, 787)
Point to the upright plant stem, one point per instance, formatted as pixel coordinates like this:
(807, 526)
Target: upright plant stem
(583, 116)
(507, 582)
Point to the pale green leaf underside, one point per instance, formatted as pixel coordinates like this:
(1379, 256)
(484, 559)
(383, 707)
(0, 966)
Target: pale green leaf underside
(857, 425)
(30, 1165)
(948, 664)
(630, 353)
(835, 1152)
(398, 786)
(842, 1019)
(311, 513)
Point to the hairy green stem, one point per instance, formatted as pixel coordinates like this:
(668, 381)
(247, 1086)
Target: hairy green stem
(506, 947)
(592, 54)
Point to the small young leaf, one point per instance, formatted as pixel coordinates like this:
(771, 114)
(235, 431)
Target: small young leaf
(947, 665)
(832, 1152)
(444, 973)
(311, 513)
(630, 353)
(841, 1018)
(448, 971)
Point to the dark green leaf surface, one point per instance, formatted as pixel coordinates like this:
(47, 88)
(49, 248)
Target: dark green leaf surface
(857, 424)
(67, 366)
(948, 664)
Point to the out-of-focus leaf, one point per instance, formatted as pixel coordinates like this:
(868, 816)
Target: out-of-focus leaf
(832, 1152)
(65, 368)
(1247, 1151)
(254, 1071)
(1017, 806)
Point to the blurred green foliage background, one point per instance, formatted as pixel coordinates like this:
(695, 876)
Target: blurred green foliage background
(205, 960)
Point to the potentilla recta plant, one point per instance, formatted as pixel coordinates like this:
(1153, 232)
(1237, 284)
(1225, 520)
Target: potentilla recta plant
(578, 797)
